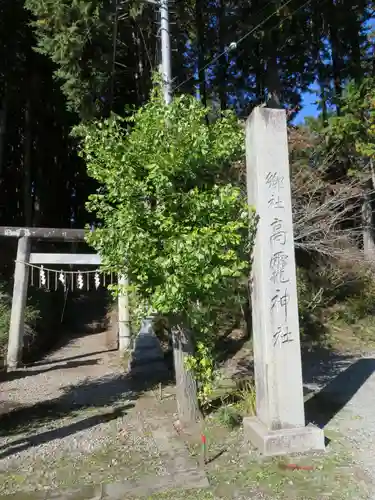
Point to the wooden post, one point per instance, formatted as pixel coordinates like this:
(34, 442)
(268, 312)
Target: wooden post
(124, 333)
(17, 319)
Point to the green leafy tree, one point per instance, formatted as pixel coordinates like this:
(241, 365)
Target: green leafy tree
(349, 142)
(102, 51)
(355, 128)
(75, 34)
(105, 50)
(172, 220)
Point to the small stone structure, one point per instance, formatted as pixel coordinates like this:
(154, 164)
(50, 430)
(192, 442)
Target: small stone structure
(279, 426)
(147, 356)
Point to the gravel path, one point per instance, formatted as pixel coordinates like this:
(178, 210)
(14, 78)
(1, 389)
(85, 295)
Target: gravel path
(82, 359)
(77, 420)
(345, 386)
(340, 393)
(66, 403)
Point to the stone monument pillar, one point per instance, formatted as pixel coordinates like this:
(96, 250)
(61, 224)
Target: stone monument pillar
(279, 426)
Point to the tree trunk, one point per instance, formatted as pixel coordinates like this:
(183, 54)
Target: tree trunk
(272, 76)
(111, 95)
(367, 224)
(199, 8)
(141, 79)
(336, 53)
(3, 128)
(259, 74)
(39, 189)
(356, 55)
(27, 195)
(367, 216)
(186, 385)
(322, 79)
(246, 313)
(223, 64)
(323, 103)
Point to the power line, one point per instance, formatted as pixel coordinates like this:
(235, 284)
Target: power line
(234, 45)
(145, 45)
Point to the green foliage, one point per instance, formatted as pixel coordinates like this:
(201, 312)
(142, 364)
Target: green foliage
(311, 301)
(325, 287)
(229, 417)
(246, 398)
(76, 36)
(168, 217)
(5, 305)
(335, 296)
(31, 315)
(359, 303)
(351, 135)
(203, 365)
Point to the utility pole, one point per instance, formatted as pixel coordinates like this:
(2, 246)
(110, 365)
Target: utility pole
(166, 63)
(124, 331)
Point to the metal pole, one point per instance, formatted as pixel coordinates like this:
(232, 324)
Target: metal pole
(166, 51)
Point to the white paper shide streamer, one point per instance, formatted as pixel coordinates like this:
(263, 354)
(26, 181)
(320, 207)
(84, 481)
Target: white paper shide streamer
(76, 278)
(80, 281)
(42, 276)
(97, 280)
(62, 278)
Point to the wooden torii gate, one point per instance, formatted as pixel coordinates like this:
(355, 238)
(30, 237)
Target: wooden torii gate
(21, 279)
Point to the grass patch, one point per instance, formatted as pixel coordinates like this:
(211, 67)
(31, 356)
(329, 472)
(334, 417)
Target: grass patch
(229, 417)
(126, 456)
(246, 403)
(110, 464)
(237, 471)
(232, 397)
(352, 337)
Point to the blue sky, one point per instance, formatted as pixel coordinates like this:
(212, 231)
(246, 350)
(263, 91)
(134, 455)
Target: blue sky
(309, 99)
(309, 107)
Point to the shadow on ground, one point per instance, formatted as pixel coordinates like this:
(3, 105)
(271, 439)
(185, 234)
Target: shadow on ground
(66, 316)
(87, 312)
(322, 407)
(113, 393)
(331, 378)
(63, 363)
(230, 344)
(27, 442)
(71, 358)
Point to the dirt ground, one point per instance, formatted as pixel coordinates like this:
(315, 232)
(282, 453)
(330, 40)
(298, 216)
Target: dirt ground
(80, 428)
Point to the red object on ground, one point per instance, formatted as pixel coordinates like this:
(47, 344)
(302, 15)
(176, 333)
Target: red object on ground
(296, 467)
(203, 437)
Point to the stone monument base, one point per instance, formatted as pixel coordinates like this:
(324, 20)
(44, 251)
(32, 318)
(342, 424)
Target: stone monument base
(147, 358)
(283, 441)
